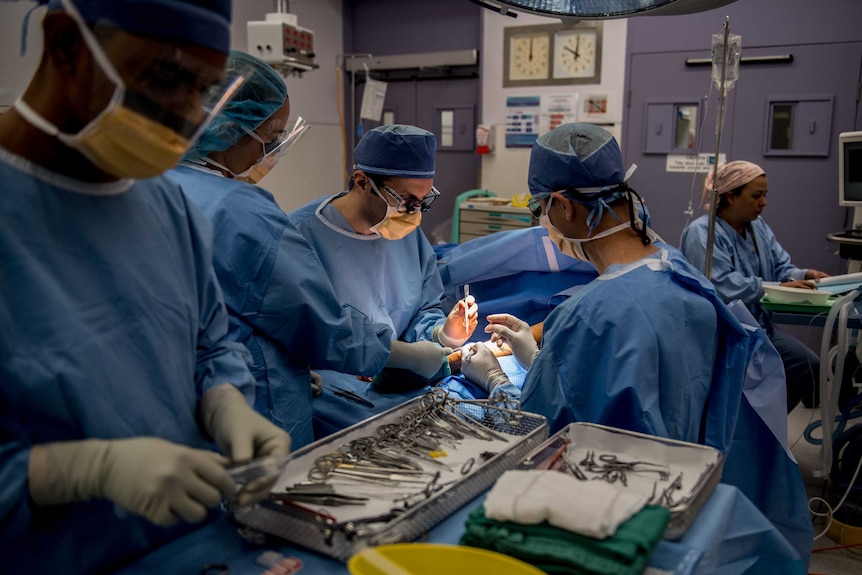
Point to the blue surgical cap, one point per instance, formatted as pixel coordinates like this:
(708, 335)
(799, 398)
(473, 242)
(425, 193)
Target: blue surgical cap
(259, 97)
(397, 150)
(201, 22)
(575, 156)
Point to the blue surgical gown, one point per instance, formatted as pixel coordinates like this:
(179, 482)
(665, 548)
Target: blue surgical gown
(647, 347)
(394, 282)
(738, 269)
(112, 325)
(282, 305)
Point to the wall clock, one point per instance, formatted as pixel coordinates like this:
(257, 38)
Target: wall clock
(552, 54)
(577, 55)
(528, 55)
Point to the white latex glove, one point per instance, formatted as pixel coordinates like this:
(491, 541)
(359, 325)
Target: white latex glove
(479, 365)
(456, 331)
(160, 480)
(421, 357)
(508, 329)
(242, 434)
(238, 430)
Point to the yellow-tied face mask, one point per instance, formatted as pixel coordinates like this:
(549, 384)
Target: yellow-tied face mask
(395, 225)
(128, 145)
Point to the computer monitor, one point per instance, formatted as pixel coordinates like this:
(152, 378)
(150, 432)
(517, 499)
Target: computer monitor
(850, 169)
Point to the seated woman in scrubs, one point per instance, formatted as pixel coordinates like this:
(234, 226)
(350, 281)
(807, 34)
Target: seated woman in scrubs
(281, 303)
(116, 370)
(746, 256)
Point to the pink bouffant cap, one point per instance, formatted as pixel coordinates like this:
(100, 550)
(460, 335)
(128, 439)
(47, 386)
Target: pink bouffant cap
(732, 175)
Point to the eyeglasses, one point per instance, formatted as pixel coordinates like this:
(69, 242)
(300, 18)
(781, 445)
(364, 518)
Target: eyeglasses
(409, 205)
(535, 207)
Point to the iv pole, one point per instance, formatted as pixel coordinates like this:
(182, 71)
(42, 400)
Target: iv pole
(713, 202)
(343, 58)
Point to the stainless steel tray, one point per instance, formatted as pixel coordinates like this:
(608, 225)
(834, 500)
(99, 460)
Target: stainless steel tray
(695, 468)
(342, 531)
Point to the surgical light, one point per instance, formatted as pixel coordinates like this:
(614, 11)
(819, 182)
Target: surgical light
(601, 9)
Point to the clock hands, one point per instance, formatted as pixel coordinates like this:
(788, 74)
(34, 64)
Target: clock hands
(575, 52)
(530, 56)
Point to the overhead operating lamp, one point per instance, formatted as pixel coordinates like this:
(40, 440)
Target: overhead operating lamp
(600, 9)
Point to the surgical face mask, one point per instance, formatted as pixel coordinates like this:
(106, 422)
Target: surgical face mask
(136, 136)
(395, 225)
(574, 247)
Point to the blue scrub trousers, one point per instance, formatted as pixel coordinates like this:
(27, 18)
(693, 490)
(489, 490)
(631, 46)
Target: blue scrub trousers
(801, 368)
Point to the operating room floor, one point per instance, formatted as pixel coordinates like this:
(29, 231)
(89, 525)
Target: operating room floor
(833, 562)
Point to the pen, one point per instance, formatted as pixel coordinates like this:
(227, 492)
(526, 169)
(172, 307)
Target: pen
(351, 396)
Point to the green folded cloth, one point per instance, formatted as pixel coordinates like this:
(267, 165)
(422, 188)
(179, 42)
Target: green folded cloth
(556, 550)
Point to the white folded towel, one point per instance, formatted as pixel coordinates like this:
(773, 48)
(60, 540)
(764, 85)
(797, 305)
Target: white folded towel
(591, 508)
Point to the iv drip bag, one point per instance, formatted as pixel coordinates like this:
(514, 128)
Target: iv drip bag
(734, 51)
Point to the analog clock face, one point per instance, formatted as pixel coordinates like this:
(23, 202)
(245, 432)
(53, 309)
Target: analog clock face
(529, 56)
(575, 54)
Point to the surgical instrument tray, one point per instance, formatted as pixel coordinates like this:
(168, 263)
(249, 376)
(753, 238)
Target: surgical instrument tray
(400, 491)
(678, 475)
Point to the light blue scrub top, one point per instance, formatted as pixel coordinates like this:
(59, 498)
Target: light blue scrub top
(282, 305)
(738, 270)
(394, 282)
(112, 325)
(647, 347)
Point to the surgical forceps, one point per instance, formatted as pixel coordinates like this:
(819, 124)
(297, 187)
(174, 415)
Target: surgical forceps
(317, 494)
(334, 465)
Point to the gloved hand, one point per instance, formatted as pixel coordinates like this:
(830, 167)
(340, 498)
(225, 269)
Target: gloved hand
(479, 365)
(316, 384)
(242, 434)
(421, 357)
(149, 476)
(508, 329)
(456, 331)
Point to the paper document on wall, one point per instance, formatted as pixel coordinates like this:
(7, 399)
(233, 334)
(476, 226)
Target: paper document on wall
(372, 100)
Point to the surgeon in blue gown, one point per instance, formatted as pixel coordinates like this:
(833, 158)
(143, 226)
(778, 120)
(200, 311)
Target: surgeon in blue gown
(648, 345)
(117, 375)
(378, 259)
(282, 305)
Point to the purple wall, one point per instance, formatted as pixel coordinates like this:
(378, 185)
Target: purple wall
(760, 22)
(825, 39)
(385, 27)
